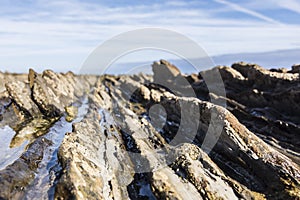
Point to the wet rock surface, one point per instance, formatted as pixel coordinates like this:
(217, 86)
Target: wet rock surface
(165, 136)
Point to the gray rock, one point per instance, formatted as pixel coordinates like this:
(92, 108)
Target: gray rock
(295, 69)
(163, 70)
(133, 138)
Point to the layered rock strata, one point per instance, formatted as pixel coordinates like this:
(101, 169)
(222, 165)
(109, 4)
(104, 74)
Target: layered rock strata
(165, 136)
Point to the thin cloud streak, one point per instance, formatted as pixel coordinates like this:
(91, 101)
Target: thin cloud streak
(292, 5)
(248, 11)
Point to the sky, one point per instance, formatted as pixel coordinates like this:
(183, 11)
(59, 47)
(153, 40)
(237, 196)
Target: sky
(61, 34)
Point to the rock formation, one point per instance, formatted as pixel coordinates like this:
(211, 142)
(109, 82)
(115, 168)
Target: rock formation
(166, 136)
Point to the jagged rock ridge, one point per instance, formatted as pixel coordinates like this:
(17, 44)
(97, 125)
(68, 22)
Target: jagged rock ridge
(144, 137)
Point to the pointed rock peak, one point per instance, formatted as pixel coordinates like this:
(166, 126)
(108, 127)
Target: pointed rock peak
(31, 77)
(165, 70)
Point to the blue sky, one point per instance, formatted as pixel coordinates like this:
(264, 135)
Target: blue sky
(60, 34)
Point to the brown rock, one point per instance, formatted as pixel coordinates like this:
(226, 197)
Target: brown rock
(20, 93)
(122, 147)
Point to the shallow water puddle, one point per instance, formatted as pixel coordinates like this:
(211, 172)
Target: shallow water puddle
(43, 186)
(7, 154)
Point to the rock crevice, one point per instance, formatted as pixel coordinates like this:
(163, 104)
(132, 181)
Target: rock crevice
(153, 137)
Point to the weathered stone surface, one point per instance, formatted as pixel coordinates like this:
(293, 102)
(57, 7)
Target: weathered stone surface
(5, 101)
(8, 77)
(196, 166)
(163, 70)
(267, 103)
(20, 93)
(71, 113)
(17, 177)
(264, 78)
(136, 138)
(295, 69)
(82, 170)
(240, 148)
(94, 165)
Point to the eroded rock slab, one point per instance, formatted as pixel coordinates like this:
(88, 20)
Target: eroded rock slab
(155, 137)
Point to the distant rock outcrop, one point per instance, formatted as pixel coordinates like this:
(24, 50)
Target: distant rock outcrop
(164, 70)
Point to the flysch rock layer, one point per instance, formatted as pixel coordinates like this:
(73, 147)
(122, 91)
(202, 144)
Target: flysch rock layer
(153, 137)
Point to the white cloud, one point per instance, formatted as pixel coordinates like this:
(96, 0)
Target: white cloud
(55, 30)
(292, 5)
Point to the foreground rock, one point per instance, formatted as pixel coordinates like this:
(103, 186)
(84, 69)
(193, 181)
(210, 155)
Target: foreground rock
(35, 106)
(160, 137)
